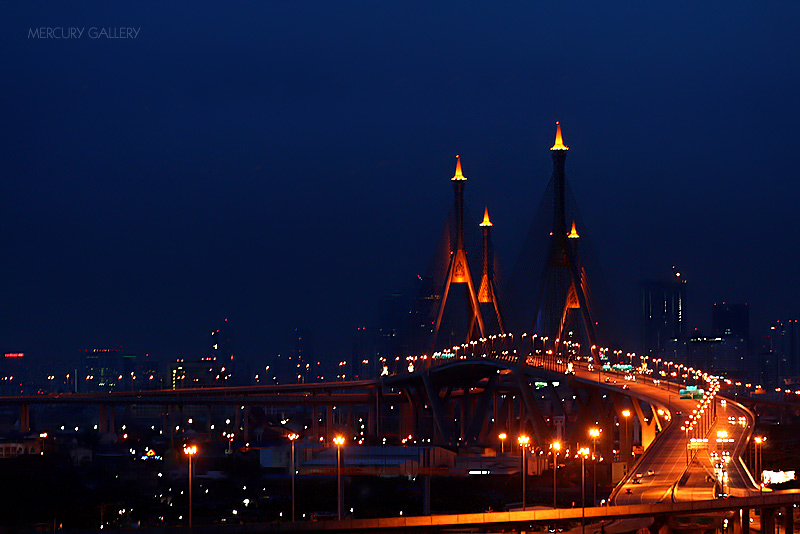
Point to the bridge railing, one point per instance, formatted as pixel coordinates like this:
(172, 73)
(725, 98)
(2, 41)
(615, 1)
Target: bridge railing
(531, 350)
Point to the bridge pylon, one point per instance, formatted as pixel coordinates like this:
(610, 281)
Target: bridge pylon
(563, 284)
(487, 294)
(458, 271)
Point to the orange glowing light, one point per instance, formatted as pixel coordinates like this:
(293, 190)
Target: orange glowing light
(486, 221)
(459, 175)
(573, 234)
(559, 145)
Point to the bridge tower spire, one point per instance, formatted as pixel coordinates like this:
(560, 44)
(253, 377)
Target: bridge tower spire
(458, 271)
(564, 281)
(487, 294)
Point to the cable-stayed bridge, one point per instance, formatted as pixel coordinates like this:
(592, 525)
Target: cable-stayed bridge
(527, 362)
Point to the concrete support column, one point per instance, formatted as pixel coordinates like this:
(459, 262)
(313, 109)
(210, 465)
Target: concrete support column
(102, 418)
(745, 523)
(496, 412)
(465, 401)
(246, 423)
(112, 423)
(209, 421)
(237, 420)
(767, 521)
(788, 520)
(372, 417)
(315, 422)
(406, 420)
(735, 523)
(165, 420)
(329, 424)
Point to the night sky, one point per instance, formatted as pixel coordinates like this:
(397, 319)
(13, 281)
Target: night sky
(286, 164)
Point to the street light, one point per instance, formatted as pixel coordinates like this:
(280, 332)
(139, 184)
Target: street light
(292, 438)
(339, 441)
(584, 452)
(556, 446)
(190, 450)
(759, 441)
(626, 414)
(502, 437)
(594, 433)
(523, 442)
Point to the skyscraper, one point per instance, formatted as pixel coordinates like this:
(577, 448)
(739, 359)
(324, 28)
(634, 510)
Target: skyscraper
(784, 345)
(663, 320)
(731, 320)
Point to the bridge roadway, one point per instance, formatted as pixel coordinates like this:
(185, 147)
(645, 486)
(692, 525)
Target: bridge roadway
(674, 478)
(518, 520)
(322, 393)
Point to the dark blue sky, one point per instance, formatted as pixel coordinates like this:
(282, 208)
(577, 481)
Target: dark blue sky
(287, 163)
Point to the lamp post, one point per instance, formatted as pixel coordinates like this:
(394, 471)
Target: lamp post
(594, 433)
(626, 414)
(339, 441)
(584, 452)
(502, 437)
(556, 446)
(190, 451)
(523, 442)
(292, 438)
(759, 441)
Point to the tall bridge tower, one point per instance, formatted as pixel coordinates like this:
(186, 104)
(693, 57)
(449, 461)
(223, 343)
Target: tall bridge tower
(564, 285)
(458, 270)
(487, 294)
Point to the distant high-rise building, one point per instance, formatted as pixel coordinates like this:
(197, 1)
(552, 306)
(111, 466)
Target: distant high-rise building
(102, 370)
(784, 345)
(14, 373)
(731, 321)
(730, 325)
(663, 320)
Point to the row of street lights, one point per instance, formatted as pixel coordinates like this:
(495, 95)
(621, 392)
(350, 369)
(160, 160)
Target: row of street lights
(191, 451)
(524, 440)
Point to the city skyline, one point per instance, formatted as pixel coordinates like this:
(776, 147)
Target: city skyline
(273, 169)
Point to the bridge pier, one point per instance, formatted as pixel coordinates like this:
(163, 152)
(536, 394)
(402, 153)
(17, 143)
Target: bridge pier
(407, 419)
(788, 520)
(328, 424)
(246, 429)
(373, 412)
(102, 418)
(24, 418)
(744, 521)
(768, 521)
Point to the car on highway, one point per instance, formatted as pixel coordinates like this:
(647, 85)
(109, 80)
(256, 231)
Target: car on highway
(650, 472)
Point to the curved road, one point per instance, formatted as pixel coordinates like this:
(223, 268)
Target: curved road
(674, 480)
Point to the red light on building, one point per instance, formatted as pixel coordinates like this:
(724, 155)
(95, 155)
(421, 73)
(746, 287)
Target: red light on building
(14, 354)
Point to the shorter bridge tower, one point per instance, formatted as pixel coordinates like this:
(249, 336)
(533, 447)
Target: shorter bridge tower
(487, 294)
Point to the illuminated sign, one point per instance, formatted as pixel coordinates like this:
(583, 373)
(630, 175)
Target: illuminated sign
(14, 354)
(150, 454)
(778, 477)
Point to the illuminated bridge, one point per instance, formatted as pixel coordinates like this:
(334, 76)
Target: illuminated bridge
(531, 366)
